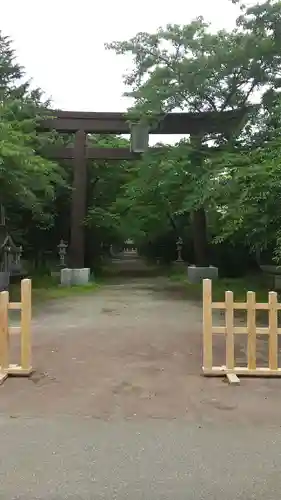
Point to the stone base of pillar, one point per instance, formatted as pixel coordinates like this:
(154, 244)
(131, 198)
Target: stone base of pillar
(81, 276)
(72, 277)
(196, 274)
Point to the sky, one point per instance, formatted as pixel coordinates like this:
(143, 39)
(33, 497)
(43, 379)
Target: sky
(61, 43)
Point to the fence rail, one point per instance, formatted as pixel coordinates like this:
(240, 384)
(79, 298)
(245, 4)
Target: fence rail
(24, 367)
(230, 330)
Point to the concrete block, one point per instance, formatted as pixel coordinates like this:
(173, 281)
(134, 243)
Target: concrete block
(196, 274)
(71, 277)
(80, 276)
(66, 277)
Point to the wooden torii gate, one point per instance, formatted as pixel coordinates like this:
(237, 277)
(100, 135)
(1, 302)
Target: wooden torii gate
(82, 123)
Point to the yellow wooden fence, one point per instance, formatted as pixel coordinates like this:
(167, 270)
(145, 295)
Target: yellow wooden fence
(24, 367)
(229, 330)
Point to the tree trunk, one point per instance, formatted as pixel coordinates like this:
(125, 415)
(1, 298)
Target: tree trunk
(200, 241)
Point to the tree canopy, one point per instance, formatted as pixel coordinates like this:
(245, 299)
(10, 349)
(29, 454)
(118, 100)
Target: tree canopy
(27, 179)
(191, 68)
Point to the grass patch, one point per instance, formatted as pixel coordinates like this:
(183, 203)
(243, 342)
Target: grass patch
(239, 286)
(47, 288)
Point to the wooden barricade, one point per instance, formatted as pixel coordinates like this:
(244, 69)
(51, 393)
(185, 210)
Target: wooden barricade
(230, 331)
(24, 367)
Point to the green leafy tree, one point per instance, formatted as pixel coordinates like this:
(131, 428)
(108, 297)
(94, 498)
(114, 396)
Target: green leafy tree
(106, 183)
(247, 191)
(193, 69)
(28, 181)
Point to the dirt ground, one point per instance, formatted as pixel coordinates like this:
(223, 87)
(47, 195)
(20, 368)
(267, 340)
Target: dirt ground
(132, 349)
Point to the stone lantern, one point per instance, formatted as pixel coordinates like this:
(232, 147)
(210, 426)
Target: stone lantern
(179, 245)
(10, 259)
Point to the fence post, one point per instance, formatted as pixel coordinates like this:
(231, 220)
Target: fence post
(273, 330)
(229, 323)
(4, 330)
(26, 324)
(207, 325)
(251, 330)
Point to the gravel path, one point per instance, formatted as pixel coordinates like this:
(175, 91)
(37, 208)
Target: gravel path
(130, 350)
(117, 407)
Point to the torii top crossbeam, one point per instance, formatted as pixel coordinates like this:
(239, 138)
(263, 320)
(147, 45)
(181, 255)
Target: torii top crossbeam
(119, 123)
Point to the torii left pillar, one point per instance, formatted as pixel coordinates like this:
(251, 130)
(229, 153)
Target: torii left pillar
(79, 202)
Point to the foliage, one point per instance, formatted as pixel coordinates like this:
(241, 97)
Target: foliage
(247, 191)
(25, 176)
(236, 176)
(188, 67)
(231, 177)
(166, 186)
(28, 181)
(106, 181)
